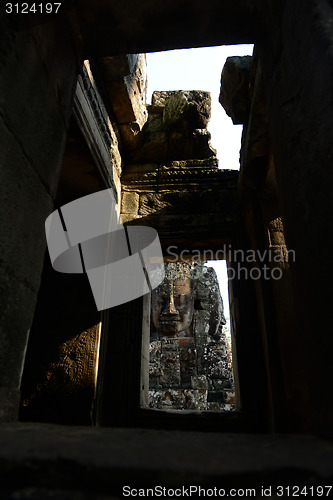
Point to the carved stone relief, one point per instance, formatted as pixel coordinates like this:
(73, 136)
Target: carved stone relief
(190, 356)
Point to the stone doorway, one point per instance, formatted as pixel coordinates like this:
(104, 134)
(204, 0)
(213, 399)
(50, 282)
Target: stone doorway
(190, 355)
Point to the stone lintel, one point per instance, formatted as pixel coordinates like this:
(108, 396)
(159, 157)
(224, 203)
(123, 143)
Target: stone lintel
(171, 174)
(192, 237)
(111, 28)
(190, 207)
(92, 118)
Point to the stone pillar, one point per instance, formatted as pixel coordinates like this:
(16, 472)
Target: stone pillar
(38, 71)
(120, 386)
(297, 58)
(243, 94)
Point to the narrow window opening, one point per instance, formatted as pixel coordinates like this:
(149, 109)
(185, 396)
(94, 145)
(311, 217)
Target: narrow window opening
(190, 338)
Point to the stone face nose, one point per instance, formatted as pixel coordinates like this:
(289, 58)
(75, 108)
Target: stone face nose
(170, 310)
(169, 307)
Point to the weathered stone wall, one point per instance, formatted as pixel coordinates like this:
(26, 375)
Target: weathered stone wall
(280, 193)
(60, 372)
(296, 66)
(59, 382)
(37, 84)
(172, 181)
(243, 96)
(190, 360)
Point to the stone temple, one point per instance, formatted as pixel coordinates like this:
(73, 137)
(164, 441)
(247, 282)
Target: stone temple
(77, 415)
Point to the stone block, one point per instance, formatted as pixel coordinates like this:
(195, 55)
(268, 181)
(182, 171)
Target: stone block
(155, 350)
(129, 202)
(154, 143)
(170, 344)
(189, 145)
(29, 99)
(199, 382)
(139, 172)
(187, 371)
(170, 370)
(9, 404)
(159, 97)
(170, 357)
(234, 94)
(115, 67)
(25, 204)
(155, 370)
(228, 407)
(124, 78)
(229, 397)
(155, 399)
(188, 342)
(221, 384)
(176, 200)
(151, 203)
(61, 361)
(188, 355)
(187, 110)
(214, 406)
(114, 150)
(155, 110)
(216, 363)
(276, 235)
(125, 218)
(217, 369)
(62, 60)
(215, 396)
(126, 102)
(201, 324)
(200, 164)
(196, 399)
(17, 308)
(174, 399)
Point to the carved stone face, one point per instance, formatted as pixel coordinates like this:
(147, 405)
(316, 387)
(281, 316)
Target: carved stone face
(172, 306)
